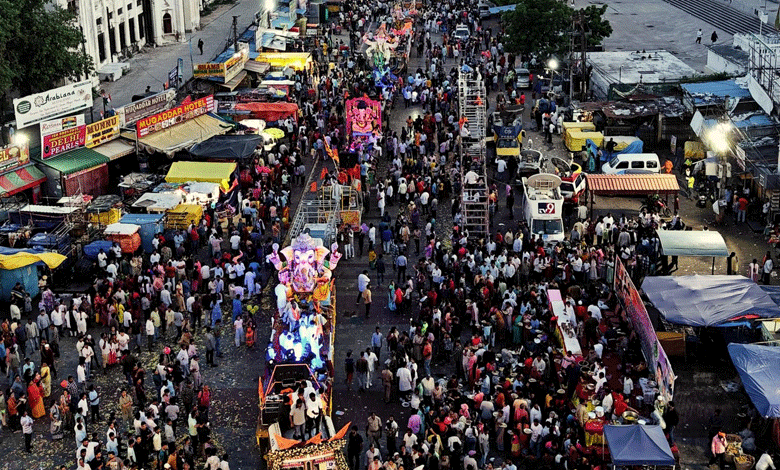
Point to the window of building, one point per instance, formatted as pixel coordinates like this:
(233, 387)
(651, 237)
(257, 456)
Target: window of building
(129, 6)
(119, 12)
(141, 32)
(99, 20)
(167, 24)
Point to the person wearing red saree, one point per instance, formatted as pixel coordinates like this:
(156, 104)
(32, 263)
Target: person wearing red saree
(35, 398)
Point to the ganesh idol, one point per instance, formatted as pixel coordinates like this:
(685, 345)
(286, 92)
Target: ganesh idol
(306, 271)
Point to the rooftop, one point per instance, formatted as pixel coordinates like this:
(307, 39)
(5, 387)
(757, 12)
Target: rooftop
(639, 67)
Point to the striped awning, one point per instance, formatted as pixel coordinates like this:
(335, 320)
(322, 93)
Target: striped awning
(20, 179)
(633, 185)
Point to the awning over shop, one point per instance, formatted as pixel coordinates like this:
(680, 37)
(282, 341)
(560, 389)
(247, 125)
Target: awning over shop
(117, 148)
(20, 179)
(22, 259)
(708, 300)
(233, 83)
(231, 147)
(631, 445)
(684, 243)
(257, 67)
(185, 134)
(75, 160)
(269, 112)
(183, 172)
(159, 202)
(632, 185)
(757, 367)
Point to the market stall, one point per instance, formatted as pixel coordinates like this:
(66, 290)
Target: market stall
(181, 216)
(158, 202)
(268, 112)
(705, 243)
(637, 445)
(757, 367)
(126, 235)
(226, 147)
(150, 225)
(21, 266)
(213, 172)
(79, 171)
(565, 331)
(183, 135)
(708, 300)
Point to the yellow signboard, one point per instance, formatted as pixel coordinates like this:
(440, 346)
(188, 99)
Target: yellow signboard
(102, 131)
(296, 60)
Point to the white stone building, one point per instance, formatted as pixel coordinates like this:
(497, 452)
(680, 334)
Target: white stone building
(113, 29)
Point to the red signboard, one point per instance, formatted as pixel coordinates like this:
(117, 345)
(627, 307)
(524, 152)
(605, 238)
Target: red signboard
(62, 141)
(177, 115)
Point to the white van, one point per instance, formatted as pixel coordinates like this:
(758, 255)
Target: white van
(632, 163)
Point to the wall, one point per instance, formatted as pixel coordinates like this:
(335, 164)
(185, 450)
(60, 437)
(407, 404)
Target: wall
(109, 26)
(185, 17)
(719, 64)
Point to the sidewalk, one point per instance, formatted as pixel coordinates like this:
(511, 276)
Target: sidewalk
(151, 67)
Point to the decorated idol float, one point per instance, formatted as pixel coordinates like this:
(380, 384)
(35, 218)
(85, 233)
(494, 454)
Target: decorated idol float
(299, 358)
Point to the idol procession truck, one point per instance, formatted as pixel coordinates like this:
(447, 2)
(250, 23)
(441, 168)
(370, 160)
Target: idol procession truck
(543, 207)
(299, 360)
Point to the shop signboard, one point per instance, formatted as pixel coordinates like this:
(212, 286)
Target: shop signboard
(173, 116)
(61, 135)
(208, 70)
(235, 64)
(14, 156)
(224, 70)
(140, 109)
(656, 358)
(102, 131)
(68, 99)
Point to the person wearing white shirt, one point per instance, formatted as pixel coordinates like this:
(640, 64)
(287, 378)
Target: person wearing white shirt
(594, 312)
(363, 281)
(628, 386)
(765, 462)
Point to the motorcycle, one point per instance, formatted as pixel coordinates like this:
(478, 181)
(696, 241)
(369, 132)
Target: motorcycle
(655, 204)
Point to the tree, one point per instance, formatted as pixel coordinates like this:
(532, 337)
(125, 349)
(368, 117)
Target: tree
(538, 27)
(542, 27)
(596, 27)
(40, 46)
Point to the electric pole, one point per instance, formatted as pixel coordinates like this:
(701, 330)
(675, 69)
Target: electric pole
(584, 60)
(235, 33)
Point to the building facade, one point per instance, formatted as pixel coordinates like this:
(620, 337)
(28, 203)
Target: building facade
(115, 29)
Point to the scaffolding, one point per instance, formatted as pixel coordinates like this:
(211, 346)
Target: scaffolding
(764, 66)
(473, 113)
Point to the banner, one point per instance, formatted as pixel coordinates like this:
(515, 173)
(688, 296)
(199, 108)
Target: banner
(140, 109)
(54, 103)
(14, 156)
(177, 115)
(636, 313)
(102, 131)
(61, 135)
(225, 70)
(235, 64)
(208, 70)
(173, 77)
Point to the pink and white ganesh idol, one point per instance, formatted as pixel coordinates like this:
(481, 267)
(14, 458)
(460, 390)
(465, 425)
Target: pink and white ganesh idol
(306, 264)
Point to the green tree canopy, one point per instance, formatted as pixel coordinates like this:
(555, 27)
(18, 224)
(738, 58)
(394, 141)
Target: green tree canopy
(542, 27)
(40, 45)
(538, 27)
(596, 27)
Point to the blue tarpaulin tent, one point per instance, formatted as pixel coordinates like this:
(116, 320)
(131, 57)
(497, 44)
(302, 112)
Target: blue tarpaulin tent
(638, 445)
(151, 225)
(708, 300)
(26, 275)
(757, 367)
